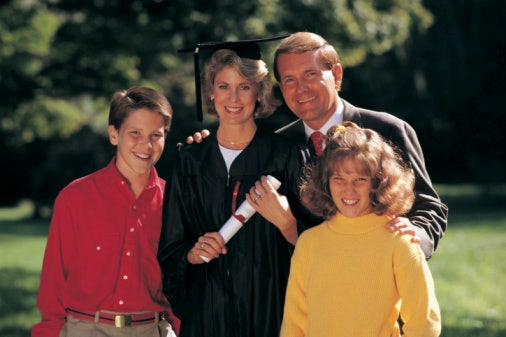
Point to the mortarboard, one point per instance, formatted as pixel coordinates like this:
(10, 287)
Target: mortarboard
(244, 48)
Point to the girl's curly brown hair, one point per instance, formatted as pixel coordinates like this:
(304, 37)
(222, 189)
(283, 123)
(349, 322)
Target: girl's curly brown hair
(392, 179)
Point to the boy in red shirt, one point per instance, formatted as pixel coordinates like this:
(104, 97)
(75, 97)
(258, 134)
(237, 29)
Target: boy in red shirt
(100, 275)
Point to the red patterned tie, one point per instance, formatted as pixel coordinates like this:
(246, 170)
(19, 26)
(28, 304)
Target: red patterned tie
(317, 138)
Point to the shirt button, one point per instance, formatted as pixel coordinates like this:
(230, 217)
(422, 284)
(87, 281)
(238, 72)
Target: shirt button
(120, 302)
(125, 277)
(98, 248)
(135, 207)
(128, 254)
(132, 230)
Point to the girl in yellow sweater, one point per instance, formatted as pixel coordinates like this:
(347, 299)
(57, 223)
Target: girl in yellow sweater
(349, 276)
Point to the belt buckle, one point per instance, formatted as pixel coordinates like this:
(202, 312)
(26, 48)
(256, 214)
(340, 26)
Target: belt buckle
(121, 321)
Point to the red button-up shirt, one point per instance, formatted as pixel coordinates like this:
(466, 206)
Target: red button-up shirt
(101, 250)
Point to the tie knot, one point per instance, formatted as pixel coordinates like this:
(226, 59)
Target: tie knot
(317, 138)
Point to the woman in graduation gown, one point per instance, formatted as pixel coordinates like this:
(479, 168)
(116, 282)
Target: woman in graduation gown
(241, 291)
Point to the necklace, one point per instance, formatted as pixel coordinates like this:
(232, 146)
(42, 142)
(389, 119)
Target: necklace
(233, 143)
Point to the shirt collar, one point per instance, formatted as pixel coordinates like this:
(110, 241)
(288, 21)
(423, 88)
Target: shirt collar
(335, 119)
(114, 174)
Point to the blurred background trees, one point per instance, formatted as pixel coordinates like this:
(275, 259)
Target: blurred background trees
(436, 64)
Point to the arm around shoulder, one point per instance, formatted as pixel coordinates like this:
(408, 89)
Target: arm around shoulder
(428, 213)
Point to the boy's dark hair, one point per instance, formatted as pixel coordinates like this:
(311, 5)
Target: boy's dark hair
(125, 101)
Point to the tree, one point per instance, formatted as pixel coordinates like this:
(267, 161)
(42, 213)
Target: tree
(26, 31)
(446, 83)
(63, 59)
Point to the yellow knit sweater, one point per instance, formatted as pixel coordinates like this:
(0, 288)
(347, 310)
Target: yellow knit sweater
(351, 277)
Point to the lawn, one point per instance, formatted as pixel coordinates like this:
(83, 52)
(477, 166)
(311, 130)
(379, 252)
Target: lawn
(469, 271)
(22, 245)
(469, 267)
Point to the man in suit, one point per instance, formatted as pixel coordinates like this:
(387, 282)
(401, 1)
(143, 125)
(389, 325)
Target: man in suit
(309, 73)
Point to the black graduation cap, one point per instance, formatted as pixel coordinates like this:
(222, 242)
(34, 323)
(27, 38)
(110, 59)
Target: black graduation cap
(244, 48)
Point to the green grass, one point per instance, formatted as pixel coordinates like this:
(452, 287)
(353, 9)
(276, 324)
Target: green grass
(22, 245)
(469, 271)
(469, 267)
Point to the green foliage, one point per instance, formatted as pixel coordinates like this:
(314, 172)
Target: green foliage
(46, 117)
(434, 63)
(29, 33)
(61, 60)
(445, 83)
(26, 32)
(357, 28)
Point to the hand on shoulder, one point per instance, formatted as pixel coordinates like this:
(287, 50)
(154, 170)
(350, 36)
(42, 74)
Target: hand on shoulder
(197, 136)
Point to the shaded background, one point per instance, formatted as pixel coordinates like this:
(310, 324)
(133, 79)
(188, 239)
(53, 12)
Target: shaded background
(436, 64)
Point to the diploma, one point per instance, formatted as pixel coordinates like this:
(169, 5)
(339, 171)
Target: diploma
(239, 218)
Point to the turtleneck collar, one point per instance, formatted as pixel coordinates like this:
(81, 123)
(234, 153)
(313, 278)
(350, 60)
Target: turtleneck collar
(357, 225)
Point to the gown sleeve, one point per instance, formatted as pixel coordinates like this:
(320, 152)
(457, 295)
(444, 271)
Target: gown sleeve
(174, 241)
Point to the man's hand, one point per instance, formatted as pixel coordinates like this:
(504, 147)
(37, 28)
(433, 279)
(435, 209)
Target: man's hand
(403, 226)
(198, 136)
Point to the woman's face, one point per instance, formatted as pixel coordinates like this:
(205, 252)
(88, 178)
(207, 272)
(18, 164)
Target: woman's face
(350, 190)
(234, 96)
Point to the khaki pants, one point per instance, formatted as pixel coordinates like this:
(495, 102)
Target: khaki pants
(79, 328)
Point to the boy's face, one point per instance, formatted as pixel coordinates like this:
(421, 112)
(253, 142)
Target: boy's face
(140, 142)
(350, 190)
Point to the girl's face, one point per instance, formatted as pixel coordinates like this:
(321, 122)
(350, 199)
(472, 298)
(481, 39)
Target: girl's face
(234, 96)
(350, 189)
(140, 141)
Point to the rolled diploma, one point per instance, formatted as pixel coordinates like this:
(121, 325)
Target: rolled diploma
(243, 214)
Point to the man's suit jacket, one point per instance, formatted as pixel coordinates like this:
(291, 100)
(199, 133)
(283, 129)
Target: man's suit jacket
(428, 212)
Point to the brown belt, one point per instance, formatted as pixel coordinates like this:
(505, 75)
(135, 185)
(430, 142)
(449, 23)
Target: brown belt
(118, 320)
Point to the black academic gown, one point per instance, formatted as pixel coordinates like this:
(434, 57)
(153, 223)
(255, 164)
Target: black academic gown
(240, 294)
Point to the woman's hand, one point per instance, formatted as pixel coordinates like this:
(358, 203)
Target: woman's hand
(274, 208)
(209, 245)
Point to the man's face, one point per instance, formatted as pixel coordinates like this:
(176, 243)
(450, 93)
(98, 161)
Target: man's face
(308, 87)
